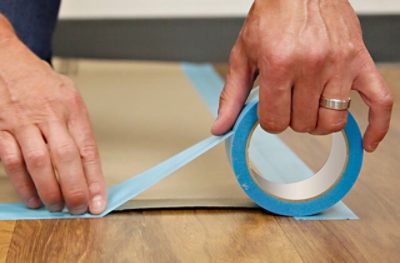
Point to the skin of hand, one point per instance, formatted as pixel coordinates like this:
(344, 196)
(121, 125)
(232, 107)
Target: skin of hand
(302, 50)
(46, 142)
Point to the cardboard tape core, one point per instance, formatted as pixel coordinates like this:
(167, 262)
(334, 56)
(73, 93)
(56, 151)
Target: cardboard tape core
(309, 196)
(311, 187)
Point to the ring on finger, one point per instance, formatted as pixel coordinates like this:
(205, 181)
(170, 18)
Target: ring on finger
(334, 104)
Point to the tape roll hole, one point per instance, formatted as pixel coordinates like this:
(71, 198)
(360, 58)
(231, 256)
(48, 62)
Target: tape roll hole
(280, 172)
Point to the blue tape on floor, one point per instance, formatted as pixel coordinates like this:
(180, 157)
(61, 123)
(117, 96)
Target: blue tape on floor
(337, 212)
(207, 82)
(127, 190)
(123, 192)
(237, 143)
(209, 85)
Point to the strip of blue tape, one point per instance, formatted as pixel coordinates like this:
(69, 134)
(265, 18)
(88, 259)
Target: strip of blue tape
(123, 192)
(119, 194)
(209, 86)
(207, 82)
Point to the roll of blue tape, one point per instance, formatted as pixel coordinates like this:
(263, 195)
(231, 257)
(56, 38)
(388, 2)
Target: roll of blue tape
(310, 196)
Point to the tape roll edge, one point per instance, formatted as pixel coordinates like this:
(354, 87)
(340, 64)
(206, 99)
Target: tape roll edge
(237, 152)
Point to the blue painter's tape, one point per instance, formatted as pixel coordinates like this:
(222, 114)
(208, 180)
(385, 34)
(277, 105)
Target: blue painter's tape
(337, 212)
(209, 85)
(334, 194)
(207, 82)
(127, 190)
(18, 211)
(237, 145)
(123, 192)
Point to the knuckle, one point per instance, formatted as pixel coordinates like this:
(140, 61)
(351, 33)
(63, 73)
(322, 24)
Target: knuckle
(247, 32)
(73, 97)
(385, 101)
(76, 198)
(335, 126)
(303, 119)
(235, 55)
(66, 153)
(350, 49)
(281, 61)
(225, 95)
(89, 153)
(344, 52)
(278, 91)
(381, 132)
(12, 163)
(246, 36)
(24, 188)
(315, 57)
(51, 197)
(273, 126)
(95, 187)
(281, 58)
(302, 128)
(37, 158)
(67, 81)
(339, 54)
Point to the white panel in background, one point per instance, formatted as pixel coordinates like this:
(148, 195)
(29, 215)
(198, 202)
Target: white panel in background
(154, 8)
(190, 8)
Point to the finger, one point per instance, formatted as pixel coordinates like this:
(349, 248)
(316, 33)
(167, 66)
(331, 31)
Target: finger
(376, 94)
(13, 162)
(67, 163)
(305, 105)
(274, 107)
(38, 163)
(330, 120)
(81, 131)
(237, 87)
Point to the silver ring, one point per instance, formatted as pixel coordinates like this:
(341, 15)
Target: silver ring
(334, 104)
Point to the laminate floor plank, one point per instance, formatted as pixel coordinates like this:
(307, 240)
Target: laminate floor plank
(375, 237)
(6, 233)
(236, 235)
(155, 236)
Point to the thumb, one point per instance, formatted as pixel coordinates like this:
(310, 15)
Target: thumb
(237, 87)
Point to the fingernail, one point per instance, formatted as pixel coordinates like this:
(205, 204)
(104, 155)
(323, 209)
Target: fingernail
(98, 205)
(33, 202)
(55, 208)
(79, 210)
(371, 147)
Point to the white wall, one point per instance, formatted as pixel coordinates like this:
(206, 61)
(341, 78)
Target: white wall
(190, 8)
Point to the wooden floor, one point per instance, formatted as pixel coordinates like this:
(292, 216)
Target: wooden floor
(232, 235)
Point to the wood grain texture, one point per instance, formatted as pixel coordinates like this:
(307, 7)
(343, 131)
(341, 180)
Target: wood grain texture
(241, 235)
(6, 233)
(155, 236)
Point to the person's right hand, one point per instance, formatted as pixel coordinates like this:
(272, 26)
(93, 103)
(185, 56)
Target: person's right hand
(303, 51)
(46, 142)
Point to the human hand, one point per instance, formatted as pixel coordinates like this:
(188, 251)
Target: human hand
(46, 141)
(303, 50)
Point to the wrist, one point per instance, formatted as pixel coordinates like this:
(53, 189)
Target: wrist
(6, 30)
(15, 58)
